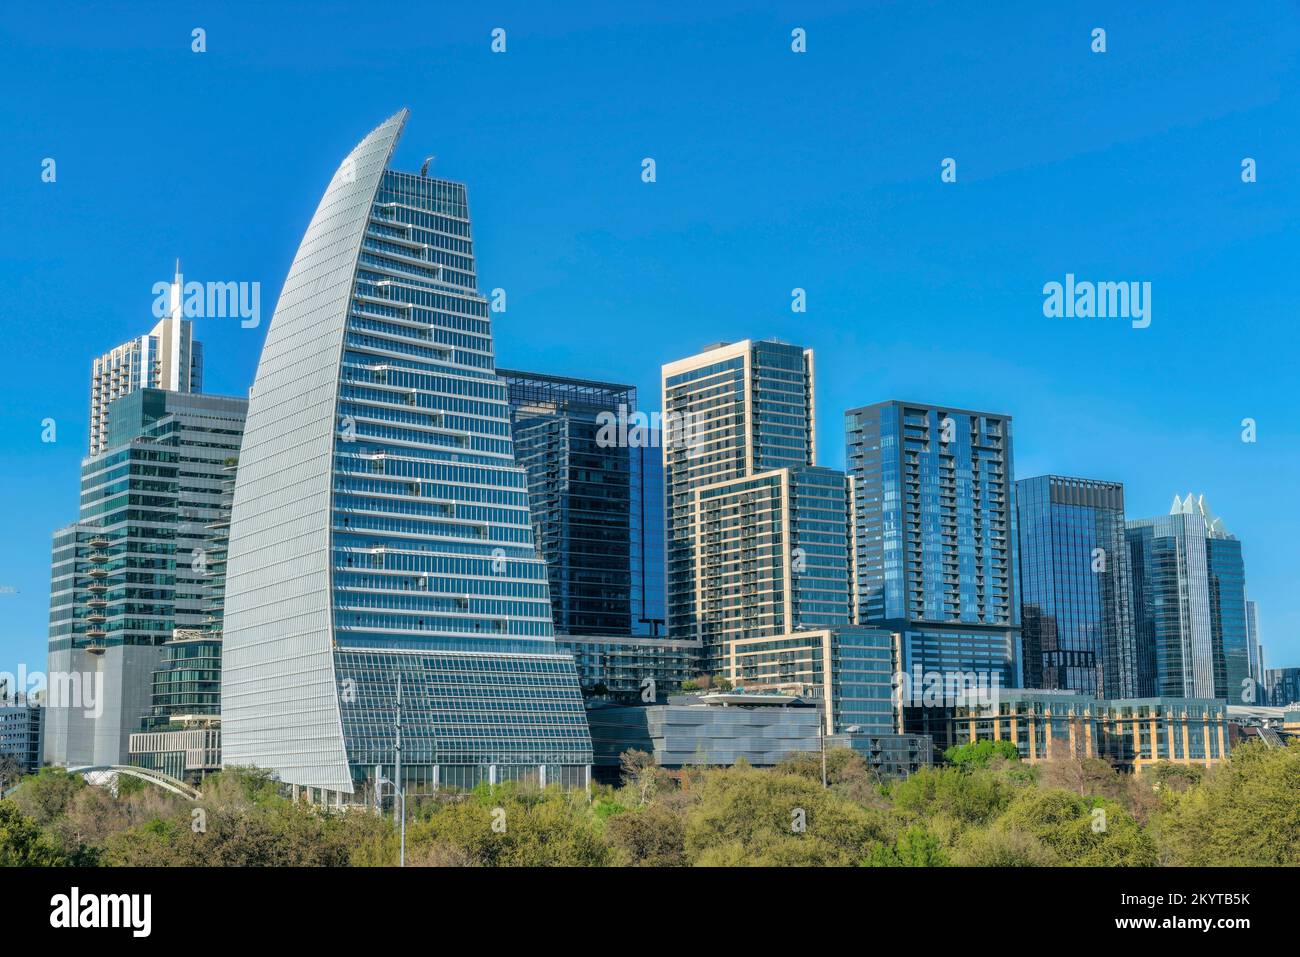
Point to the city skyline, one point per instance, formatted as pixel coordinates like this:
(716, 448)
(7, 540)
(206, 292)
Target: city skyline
(1162, 437)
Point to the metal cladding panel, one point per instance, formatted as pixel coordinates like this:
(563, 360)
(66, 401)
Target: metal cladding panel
(279, 702)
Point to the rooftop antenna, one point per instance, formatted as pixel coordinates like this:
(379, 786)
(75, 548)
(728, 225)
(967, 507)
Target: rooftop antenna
(424, 170)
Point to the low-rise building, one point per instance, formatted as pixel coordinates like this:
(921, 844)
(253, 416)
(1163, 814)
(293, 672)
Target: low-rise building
(720, 729)
(626, 666)
(1131, 733)
(22, 730)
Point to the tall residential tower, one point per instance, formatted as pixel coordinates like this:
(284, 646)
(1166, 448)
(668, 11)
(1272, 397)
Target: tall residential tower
(759, 562)
(935, 515)
(167, 357)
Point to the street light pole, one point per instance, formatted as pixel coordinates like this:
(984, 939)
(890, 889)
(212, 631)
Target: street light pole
(400, 790)
(821, 736)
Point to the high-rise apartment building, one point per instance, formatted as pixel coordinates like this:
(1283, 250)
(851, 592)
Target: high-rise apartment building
(1189, 604)
(772, 557)
(136, 565)
(935, 517)
(381, 543)
(22, 725)
(1075, 592)
(167, 357)
(735, 411)
(759, 559)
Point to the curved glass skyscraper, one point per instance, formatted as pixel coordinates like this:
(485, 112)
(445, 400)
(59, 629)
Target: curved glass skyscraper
(380, 524)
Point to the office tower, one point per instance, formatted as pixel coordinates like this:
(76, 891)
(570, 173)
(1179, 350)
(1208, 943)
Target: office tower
(596, 493)
(649, 601)
(135, 566)
(733, 411)
(1283, 687)
(935, 516)
(1256, 651)
(381, 540)
(758, 553)
(1075, 593)
(595, 484)
(1189, 604)
(167, 357)
(181, 733)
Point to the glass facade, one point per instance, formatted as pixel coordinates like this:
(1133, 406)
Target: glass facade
(742, 409)
(935, 535)
(597, 502)
(168, 357)
(138, 564)
(1283, 686)
(1189, 605)
(849, 669)
(381, 525)
(1076, 614)
(1130, 733)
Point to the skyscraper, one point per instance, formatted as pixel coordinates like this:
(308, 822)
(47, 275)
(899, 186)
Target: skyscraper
(181, 734)
(759, 560)
(167, 357)
(381, 533)
(1283, 686)
(1189, 604)
(136, 565)
(1256, 651)
(1076, 612)
(935, 515)
(737, 411)
(597, 502)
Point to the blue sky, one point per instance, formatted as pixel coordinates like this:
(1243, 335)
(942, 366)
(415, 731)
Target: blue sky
(775, 170)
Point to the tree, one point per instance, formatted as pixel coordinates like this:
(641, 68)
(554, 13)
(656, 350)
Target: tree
(968, 797)
(979, 754)
(915, 847)
(1087, 777)
(747, 816)
(1001, 847)
(11, 769)
(640, 773)
(46, 795)
(22, 844)
(653, 836)
(1093, 832)
(1245, 813)
(508, 826)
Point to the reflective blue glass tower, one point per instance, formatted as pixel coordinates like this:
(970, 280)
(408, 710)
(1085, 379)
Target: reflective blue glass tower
(1076, 606)
(381, 526)
(1189, 605)
(935, 516)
